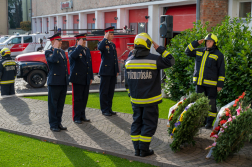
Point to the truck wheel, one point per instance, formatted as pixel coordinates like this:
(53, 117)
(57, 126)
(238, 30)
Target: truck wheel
(25, 78)
(36, 78)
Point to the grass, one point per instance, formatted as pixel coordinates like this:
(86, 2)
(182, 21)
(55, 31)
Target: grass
(121, 103)
(18, 150)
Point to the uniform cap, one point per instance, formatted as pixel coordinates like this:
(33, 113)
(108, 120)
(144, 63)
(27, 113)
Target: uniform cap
(55, 36)
(79, 36)
(109, 29)
(130, 44)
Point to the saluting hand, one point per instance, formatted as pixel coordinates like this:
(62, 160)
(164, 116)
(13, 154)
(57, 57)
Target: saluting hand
(200, 41)
(56, 44)
(80, 42)
(155, 45)
(106, 35)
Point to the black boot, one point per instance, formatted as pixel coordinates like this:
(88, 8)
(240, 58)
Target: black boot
(208, 126)
(137, 152)
(146, 153)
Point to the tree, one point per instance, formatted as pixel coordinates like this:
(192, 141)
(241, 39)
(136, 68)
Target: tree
(25, 25)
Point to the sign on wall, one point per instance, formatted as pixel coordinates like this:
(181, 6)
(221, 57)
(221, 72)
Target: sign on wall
(66, 5)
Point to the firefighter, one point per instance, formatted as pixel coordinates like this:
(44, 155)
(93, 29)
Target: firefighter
(209, 71)
(142, 77)
(81, 76)
(130, 46)
(57, 82)
(8, 72)
(108, 71)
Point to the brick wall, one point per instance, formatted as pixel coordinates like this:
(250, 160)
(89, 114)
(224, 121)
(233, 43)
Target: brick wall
(47, 7)
(213, 11)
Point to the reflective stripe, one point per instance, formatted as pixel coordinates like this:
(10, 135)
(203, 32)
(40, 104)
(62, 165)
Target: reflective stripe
(7, 82)
(194, 79)
(141, 61)
(147, 101)
(209, 82)
(8, 62)
(142, 37)
(190, 47)
(213, 56)
(165, 53)
(128, 90)
(221, 78)
(202, 67)
(135, 137)
(141, 66)
(199, 53)
(211, 114)
(145, 139)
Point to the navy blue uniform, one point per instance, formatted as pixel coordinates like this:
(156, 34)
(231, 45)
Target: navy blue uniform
(108, 72)
(142, 78)
(57, 82)
(130, 53)
(8, 73)
(209, 73)
(81, 73)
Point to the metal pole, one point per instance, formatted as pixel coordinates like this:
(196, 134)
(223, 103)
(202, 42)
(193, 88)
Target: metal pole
(197, 11)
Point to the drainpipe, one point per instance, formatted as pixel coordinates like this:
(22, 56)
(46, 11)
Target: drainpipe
(197, 11)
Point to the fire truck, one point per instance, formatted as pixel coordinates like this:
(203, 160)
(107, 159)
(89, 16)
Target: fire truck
(33, 68)
(25, 43)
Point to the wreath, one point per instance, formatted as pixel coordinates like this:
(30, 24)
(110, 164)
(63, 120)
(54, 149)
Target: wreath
(234, 127)
(187, 119)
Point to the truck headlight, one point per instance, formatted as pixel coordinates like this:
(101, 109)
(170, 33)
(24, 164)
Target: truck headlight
(18, 70)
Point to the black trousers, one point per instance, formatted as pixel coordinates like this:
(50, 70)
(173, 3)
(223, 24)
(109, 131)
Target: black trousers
(79, 99)
(7, 89)
(211, 93)
(144, 126)
(107, 89)
(56, 101)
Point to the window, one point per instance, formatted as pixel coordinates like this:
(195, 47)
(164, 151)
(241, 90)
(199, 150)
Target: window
(142, 27)
(91, 26)
(27, 39)
(110, 25)
(76, 26)
(134, 27)
(92, 45)
(244, 8)
(16, 40)
(65, 45)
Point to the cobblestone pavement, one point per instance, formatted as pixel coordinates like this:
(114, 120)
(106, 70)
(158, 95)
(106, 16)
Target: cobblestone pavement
(110, 135)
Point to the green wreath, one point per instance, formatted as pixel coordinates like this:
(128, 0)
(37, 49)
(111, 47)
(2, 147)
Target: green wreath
(192, 116)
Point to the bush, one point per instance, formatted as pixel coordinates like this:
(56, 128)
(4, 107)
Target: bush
(25, 25)
(235, 43)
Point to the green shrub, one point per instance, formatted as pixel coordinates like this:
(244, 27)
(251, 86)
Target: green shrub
(235, 43)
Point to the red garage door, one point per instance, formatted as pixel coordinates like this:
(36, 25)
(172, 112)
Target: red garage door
(183, 16)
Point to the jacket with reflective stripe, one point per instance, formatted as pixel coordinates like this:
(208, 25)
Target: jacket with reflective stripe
(8, 71)
(209, 67)
(142, 77)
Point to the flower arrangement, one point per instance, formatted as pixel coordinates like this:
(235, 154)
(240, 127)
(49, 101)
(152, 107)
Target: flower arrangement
(233, 129)
(187, 120)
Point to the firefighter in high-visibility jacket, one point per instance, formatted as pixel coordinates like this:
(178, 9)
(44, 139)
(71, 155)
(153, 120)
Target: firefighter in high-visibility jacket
(209, 71)
(142, 78)
(8, 72)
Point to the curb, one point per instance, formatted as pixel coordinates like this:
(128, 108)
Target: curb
(129, 157)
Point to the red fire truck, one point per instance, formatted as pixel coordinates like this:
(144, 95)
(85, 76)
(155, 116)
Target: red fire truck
(32, 67)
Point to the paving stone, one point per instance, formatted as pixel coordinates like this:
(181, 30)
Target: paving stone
(108, 134)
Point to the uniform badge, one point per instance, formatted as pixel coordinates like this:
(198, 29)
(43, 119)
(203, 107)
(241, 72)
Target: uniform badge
(107, 47)
(70, 51)
(50, 55)
(80, 55)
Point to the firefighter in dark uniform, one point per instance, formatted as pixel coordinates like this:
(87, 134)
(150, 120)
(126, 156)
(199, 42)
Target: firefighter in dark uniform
(130, 46)
(209, 71)
(81, 76)
(142, 77)
(57, 82)
(8, 72)
(108, 71)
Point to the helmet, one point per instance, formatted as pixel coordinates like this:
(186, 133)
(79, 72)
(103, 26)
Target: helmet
(5, 52)
(212, 37)
(143, 40)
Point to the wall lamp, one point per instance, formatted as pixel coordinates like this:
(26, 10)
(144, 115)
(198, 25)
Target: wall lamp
(65, 20)
(94, 19)
(147, 17)
(115, 18)
(78, 20)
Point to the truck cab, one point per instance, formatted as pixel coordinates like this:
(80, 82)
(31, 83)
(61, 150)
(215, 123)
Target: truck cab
(33, 68)
(19, 44)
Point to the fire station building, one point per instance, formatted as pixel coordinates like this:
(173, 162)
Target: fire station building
(140, 15)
